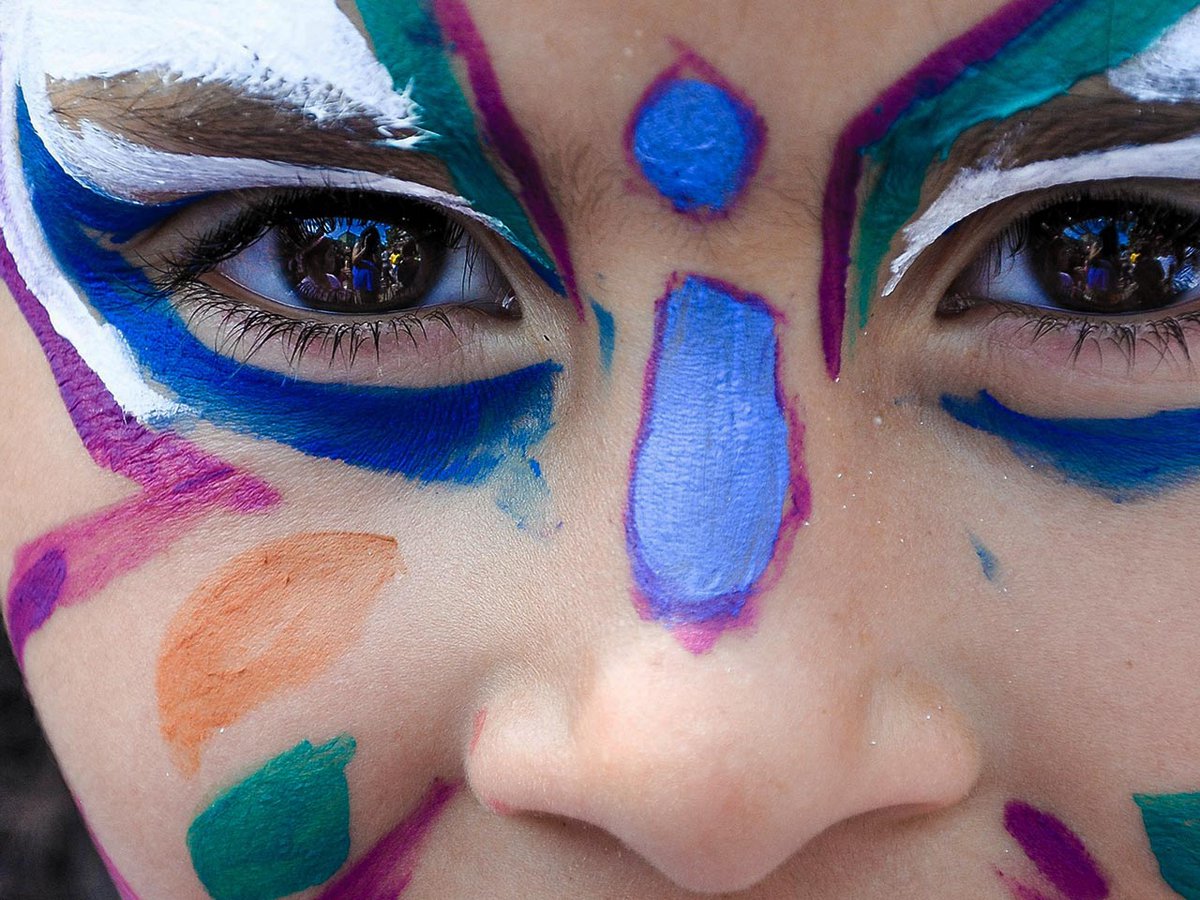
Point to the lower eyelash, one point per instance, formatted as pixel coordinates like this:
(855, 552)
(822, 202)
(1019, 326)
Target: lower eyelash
(249, 329)
(1163, 336)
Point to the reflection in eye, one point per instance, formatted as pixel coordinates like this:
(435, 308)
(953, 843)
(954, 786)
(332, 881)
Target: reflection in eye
(354, 254)
(1101, 257)
(334, 269)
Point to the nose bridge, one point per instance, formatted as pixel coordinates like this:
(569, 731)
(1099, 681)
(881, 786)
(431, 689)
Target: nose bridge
(718, 768)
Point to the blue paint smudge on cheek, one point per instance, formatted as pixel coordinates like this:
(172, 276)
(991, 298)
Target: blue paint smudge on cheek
(987, 559)
(606, 327)
(711, 467)
(1122, 459)
(460, 434)
(696, 143)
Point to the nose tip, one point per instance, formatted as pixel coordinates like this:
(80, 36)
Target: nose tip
(717, 776)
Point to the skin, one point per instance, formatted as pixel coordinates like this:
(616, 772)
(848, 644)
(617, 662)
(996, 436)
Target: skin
(860, 739)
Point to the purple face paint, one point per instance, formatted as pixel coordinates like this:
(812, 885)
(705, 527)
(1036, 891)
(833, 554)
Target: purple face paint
(1020, 891)
(124, 890)
(1058, 852)
(933, 75)
(695, 138)
(717, 485)
(180, 483)
(386, 869)
(506, 136)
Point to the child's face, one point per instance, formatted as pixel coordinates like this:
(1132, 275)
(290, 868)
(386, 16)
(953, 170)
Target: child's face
(774, 475)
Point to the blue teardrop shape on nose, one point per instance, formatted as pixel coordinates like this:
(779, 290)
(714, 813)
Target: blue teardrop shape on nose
(711, 467)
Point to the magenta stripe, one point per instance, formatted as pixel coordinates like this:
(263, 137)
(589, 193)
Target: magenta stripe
(385, 871)
(506, 136)
(932, 76)
(180, 483)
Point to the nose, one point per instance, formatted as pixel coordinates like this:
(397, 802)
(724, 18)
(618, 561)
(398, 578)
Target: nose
(718, 768)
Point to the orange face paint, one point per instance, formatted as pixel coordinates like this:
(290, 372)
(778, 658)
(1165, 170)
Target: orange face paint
(274, 618)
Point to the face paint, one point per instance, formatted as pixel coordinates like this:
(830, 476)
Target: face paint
(279, 58)
(1167, 72)
(987, 560)
(281, 830)
(1020, 891)
(412, 45)
(1122, 459)
(717, 485)
(1057, 852)
(123, 888)
(1026, 54)
(695, 138)
(180, 484)
(386, 870)
(606, 327)
(1172, 823)
(274, 618)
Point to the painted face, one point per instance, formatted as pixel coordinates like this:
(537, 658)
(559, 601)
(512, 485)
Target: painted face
(539, 444)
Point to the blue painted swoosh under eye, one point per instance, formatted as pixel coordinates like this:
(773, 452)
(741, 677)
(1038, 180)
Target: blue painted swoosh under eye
(459, 433)
(1123, 459)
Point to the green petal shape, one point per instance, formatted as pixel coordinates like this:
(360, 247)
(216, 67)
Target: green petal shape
(281, 830)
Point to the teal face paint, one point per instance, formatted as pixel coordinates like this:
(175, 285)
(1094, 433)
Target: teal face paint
(1172, 823)
(606, 325)
(1030, 52)
(283, 829)
(409, 41)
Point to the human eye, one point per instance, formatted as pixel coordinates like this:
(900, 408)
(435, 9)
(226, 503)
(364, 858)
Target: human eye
(1097, 266)
(303, 281)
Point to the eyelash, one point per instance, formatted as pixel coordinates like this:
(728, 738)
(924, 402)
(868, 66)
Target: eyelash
(1161, 334)
(178, 279)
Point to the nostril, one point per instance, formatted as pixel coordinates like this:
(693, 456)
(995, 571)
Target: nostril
(716, 774)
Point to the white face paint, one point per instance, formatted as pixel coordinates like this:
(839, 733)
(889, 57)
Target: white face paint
(1169, 70)
(976, 189)
(101, 346)
(317, 63)
(308, 56)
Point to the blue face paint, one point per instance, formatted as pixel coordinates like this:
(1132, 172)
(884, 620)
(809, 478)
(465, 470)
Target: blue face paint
(460, 433)
(712, 467)
(607, 328)
(695, 140)
(987, 559)
(1123, 459)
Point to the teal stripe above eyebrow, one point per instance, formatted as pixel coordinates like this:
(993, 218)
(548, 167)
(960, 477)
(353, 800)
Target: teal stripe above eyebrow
(411, 47)
(1072, 40)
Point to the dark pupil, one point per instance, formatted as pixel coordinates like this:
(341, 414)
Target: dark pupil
(342, 264)
(1115, 256)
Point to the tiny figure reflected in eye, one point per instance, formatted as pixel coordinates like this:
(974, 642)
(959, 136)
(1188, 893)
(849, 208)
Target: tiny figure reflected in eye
(365, 261)
(319, 266)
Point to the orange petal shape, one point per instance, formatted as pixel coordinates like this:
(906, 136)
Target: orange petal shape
(272, 619)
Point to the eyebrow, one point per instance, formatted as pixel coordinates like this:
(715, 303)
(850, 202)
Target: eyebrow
(193, 117)
(411, 100)
(1021, 57)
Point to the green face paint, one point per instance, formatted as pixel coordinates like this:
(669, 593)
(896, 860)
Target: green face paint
(1070, 42)
(283, 829)
(410, 45)
(1172, 823)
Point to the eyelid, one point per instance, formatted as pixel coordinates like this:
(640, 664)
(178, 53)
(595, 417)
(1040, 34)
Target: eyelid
(975, 190)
